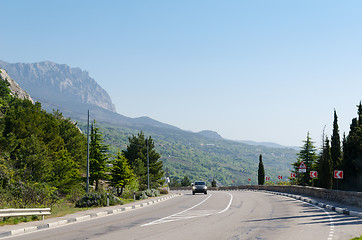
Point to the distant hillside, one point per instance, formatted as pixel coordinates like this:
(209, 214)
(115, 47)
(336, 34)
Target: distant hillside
(200, 157)
(267, 144)
(204, 155)
(210, 134)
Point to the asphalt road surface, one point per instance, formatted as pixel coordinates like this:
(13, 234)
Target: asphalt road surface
(217, 215)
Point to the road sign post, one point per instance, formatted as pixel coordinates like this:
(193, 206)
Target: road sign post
(338, 174)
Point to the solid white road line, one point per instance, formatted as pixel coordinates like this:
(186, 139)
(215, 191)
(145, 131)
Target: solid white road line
(187, 214)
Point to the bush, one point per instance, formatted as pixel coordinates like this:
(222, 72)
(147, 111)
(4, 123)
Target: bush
(18, 194)
(147, 193)
(97, 199)
(163, 191)
(141, 195)
(75, 194)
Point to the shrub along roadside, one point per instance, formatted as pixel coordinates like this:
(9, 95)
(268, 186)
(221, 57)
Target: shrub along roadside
(97, 199)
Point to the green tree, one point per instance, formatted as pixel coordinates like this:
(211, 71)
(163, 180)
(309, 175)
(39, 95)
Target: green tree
(136, 154)
(213, 183)
(336, 153)
(98, 156)
(352, 154)
(261, 172)
(174, 182)
(325, 166)
(121, 173)
(308, 155)
(185, 182)
(65, 173)
(5, 91)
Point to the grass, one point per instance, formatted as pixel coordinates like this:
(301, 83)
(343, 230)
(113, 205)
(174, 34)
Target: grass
(357, 238)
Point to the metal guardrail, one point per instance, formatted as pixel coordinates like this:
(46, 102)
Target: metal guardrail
(14, 212)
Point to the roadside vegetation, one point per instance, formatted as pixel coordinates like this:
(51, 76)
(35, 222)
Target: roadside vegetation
(357, 238)
(345, 155)
(43, 159)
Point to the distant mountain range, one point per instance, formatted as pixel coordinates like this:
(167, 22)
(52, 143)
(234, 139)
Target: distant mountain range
(205, 154)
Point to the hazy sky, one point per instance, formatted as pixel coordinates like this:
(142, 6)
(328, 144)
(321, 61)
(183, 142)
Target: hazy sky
(250, 70)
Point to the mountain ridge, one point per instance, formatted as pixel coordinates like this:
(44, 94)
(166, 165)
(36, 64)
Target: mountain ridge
(60, 81)
(201, 155)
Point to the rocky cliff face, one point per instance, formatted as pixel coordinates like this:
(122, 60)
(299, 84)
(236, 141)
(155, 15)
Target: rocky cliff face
(16, 90)
(54, 84)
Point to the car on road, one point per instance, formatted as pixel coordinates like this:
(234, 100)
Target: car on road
(199, 187)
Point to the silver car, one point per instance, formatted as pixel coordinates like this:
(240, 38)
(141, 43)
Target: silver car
(199, 187)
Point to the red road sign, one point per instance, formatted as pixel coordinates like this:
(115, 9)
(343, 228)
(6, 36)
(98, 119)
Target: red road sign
(313, 174)
(280, 177)
(302, 167)
(338, 174)
(267, 178)
(249, 179)
(292, 175)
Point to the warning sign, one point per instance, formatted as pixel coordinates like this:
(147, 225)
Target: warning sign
(302, 167)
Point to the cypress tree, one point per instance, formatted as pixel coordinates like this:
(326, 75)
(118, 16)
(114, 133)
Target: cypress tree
(336, 153)
(261, 172)
(213, 183)
(352, 155)
(324, 166)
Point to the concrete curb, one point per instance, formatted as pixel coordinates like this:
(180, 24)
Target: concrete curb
(320, 204)
(82, 218)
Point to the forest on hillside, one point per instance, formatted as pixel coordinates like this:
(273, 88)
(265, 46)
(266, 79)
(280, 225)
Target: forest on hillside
(200, 157)
(42, 155)
(43, 160)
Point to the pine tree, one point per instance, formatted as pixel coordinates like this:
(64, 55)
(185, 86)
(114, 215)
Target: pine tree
(136, 153)
(308, 155)
(261, 172)
(98, 156)
(121, 173)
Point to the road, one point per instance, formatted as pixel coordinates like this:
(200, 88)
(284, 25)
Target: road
(217, 215)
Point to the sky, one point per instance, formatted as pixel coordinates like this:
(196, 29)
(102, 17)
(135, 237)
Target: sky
(260, 70)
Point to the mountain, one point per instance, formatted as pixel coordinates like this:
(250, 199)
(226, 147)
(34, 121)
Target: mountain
(58, 84)
(16, 90)
(203, 155)
(71, 91)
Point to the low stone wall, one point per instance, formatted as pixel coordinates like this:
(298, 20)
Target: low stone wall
(345, 197)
